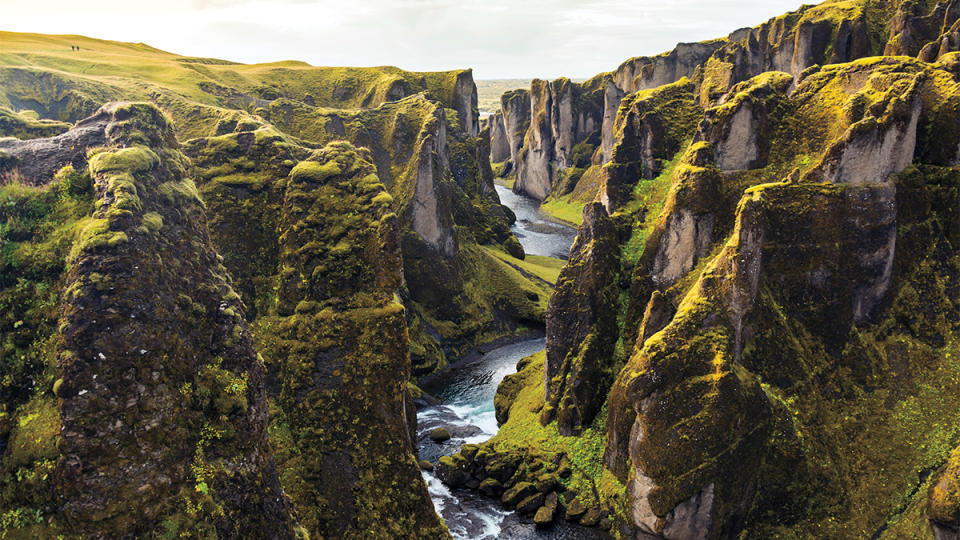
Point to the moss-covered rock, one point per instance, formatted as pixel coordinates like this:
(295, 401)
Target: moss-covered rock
(650, 128)
(26, 126)
(121, 440)
(581, 326)
(563, 114)
(944, 498)
(339, 344)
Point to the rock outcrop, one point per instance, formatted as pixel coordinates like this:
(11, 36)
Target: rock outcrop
(828, 33)
(37, 160)
(339, 344)
(943, 508)
(429, 218)
(811, 36)
(465, 103)
(515, 106)
(651, 127)
(947, 43)
(883, 142)
(786, 293)
(508, 128)
(914, 33)
(581, 326)
(563, 114)
(160, 395)
(499, 144)
(679, 497)
(27, 125)
(644, 73)
(738, 130)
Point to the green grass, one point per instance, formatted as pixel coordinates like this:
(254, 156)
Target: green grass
(545, 268)
(565, 210)
(569, 208)
(648, 196)
(191, 90)
(523, 431)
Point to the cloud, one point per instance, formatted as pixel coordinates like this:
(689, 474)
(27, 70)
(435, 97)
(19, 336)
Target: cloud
(499, 38)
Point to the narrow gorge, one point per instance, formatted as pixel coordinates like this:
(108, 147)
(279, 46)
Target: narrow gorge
(710, 294)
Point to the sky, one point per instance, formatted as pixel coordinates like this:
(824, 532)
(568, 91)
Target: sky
(500, 39)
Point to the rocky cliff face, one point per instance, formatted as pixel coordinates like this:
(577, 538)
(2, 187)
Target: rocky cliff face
(508, 128)
(465, 103)
(515, 106)
(914, 31)
(563, 114)
(438, 178)
(644, 73)
(650, 127)
(334, 354)
(581, 326)
(499, 145)
(813, 35)
(765, 284)
(709, 505)
(159, 401)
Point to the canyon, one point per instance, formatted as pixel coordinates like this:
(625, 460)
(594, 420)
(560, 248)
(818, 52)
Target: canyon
(713, 293)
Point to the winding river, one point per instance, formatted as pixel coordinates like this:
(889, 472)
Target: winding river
(466, 392)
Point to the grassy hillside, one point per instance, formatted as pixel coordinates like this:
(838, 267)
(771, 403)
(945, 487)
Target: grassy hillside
(41, 72)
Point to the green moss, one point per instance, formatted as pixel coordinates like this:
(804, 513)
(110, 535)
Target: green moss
(522, 433)
(37, 228)
(35, 434)
(182, 191)
(564, 209)
(27, 125)
(131, 160)
(646, 204)
(153, 221)
(313, 171)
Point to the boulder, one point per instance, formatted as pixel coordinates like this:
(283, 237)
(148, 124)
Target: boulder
(513, 247)
(575, 510)
(452, 471)
(491, 487)
(544, 517)
(518, 493)
(439, 434)
(530, 504)
(591, 518)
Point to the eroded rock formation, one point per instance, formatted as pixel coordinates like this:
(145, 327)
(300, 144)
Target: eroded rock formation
(159, 396)
(581, 320)
(563, 114)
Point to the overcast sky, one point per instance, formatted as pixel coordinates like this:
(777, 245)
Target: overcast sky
(498, 38)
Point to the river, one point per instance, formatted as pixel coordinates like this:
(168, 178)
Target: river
(466, 391)
(538, 233)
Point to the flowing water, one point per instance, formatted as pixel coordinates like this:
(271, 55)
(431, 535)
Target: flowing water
(539, 234)
(466, 391)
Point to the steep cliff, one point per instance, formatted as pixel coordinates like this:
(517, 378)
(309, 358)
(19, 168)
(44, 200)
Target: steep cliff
(786, 313)
(651, 127)
(581, 326)
(562, 115)
(422, 129)
(441, 189)
(828, 33)
(508, 128)
(338, 344)
(156, 422)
